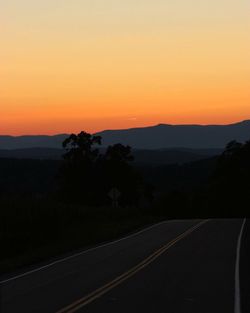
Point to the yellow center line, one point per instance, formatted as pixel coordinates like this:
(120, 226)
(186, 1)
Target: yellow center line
(75, 306)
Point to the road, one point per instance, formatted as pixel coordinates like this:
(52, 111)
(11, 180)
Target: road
(175, 266)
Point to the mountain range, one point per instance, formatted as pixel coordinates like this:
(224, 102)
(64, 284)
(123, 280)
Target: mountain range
(179, 136)
(162, 136)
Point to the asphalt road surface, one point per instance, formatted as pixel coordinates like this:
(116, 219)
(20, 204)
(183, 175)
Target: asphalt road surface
(176, 267)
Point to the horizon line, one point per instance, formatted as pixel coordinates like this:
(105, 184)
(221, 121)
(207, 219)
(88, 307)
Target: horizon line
(130, 128)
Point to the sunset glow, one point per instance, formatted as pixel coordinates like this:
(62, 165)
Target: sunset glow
(102, 64)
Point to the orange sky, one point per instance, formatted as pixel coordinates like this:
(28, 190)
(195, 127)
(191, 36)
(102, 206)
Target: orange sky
(94, 64)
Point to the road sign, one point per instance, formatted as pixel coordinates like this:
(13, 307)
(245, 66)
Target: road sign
(114, 195)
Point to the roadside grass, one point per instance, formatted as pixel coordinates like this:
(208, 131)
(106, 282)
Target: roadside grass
(33, 231)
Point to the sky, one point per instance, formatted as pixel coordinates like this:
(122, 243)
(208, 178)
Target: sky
(67, 66)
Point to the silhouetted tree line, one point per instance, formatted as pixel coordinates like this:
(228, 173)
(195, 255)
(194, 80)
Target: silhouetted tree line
(225, 192)
(230, 184)
(87, 176)
(215, 187)
(33, 217)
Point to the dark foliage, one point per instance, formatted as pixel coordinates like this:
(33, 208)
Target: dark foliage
(78, 173)
(27, 177)
(218, 187)
(117, 172)
(87, 176)
(230, 185)
(36, 222)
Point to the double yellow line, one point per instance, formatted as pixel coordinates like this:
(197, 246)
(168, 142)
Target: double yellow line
(75, 306)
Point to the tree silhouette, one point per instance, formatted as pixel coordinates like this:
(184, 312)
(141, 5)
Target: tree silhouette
(232, 148)
(78, 176)
(87, 176)
(120, 174)
(231, 181)
(80, 147)
(119, 153)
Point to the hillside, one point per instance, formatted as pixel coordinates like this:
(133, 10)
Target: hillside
(169, 136)
(152, 157)
(161, 136)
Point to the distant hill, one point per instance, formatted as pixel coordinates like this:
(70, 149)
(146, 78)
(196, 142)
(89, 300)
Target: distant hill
(161, 136)
(170, 136)
(142, 157)
(32, 153)
(23, 142)
(171, 156)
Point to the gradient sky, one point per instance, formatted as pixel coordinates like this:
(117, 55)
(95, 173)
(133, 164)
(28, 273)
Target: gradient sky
(68, 65)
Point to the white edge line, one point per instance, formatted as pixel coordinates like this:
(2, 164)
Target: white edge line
(237, 300)
(80, 253)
